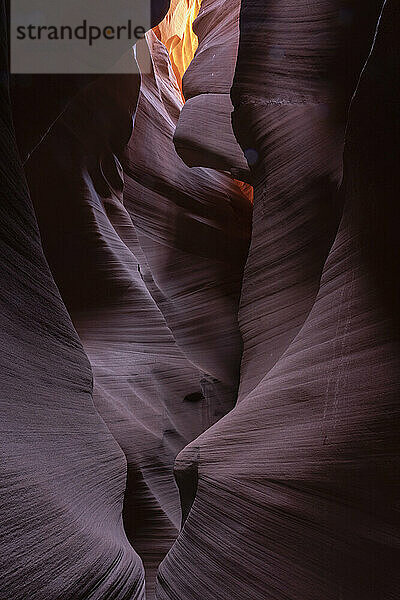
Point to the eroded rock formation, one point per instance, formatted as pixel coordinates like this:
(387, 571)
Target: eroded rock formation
(158, 315)
(204, 135)
(296, 487)
(62, 472)
(139, 244)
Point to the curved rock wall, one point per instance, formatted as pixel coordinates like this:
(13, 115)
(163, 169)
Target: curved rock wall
(273, 373)
(62, 472)
(176, 33)
(148, 255)
(204, 135)
(295, 494)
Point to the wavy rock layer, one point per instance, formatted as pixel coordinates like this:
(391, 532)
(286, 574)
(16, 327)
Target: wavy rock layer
(139, 245)
(176, 33)
(204, 135)
(63, 475)
(194, 229)
(292, 494)
(295, 490)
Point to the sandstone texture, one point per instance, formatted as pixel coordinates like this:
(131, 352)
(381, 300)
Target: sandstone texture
(200, 384)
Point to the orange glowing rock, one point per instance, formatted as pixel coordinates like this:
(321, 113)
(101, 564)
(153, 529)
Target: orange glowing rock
(176, 33)
(247, 189)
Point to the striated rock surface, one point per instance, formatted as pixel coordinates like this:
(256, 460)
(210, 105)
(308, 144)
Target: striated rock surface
(193, 225)
(293, 494)
(204, 135)
(176, 33)
(62, 472)
(291, 100)
(289, 120)
(278, 388)
(148, 256)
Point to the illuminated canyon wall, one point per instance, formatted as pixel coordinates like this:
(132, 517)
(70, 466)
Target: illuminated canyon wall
(199, 385)
(176, 33)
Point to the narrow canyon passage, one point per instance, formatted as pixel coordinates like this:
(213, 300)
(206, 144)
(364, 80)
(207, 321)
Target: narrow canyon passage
(148, 255)
(200, 312)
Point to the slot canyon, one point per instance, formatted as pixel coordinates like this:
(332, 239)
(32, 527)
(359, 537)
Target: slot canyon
(200, 366)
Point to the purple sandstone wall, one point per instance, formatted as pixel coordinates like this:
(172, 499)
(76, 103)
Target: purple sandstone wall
(192, 385)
